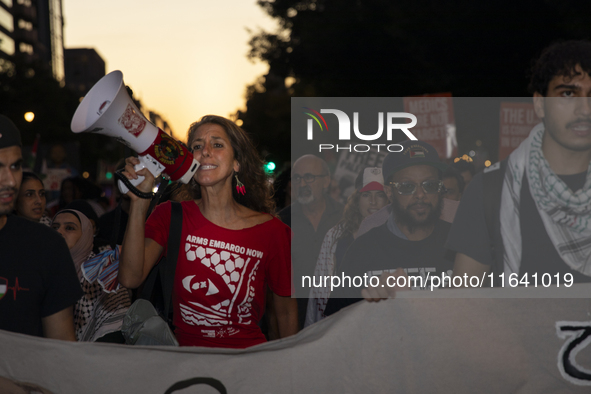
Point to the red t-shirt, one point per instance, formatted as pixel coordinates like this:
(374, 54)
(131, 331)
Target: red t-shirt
(221, 276)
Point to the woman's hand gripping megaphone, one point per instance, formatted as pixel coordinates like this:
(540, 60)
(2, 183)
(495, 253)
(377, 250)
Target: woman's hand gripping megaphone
(142, 162)
(140, 176)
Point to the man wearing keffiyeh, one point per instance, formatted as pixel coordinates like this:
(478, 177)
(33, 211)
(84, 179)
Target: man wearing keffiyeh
(545, 203)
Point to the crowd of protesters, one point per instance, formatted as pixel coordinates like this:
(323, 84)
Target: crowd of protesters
(245, 247)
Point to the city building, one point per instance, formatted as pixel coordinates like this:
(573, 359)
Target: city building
(31, 36)
(50, 44)
(83, 68)
(7, 47)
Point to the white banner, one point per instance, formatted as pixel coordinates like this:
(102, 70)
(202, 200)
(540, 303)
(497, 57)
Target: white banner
(410, 344)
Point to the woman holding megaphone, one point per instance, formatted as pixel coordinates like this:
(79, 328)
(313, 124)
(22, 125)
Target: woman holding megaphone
(232, 248)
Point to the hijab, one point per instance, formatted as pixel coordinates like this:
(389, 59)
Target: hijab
(82, 249)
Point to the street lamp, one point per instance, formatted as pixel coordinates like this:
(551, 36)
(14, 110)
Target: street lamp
(29, 116)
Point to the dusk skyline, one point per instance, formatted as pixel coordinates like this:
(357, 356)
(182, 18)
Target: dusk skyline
(182, 60)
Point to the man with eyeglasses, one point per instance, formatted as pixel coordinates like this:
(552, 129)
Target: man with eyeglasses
(310, 217)
(411, 243)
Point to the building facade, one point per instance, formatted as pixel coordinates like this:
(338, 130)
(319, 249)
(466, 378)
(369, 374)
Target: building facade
(84, 67)
(7, 45)
(31, 36)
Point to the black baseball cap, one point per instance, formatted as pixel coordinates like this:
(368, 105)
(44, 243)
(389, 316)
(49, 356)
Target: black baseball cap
(9, 134)
(413, 153)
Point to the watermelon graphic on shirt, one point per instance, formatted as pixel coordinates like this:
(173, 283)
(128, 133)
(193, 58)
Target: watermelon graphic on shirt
(230, 282)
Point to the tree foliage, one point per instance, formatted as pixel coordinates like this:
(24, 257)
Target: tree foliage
(385, 48)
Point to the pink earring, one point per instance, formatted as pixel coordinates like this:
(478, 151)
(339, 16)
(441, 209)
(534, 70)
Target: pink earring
(240, 188)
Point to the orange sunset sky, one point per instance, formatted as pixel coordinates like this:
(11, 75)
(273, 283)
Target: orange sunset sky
(182, 58)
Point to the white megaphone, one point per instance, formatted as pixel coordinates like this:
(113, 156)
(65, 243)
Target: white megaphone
(107, 109)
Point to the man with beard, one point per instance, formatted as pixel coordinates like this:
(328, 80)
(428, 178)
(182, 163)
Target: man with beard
(310, 217)
(411, 243)
(540, 222)
(38, 281)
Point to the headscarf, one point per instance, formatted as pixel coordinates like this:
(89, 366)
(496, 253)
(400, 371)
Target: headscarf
(98, 312)
(81, 250)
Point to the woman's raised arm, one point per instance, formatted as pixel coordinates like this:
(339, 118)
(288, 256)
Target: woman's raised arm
(138, 254)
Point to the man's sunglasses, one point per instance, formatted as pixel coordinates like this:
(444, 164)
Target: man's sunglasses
(408, 188)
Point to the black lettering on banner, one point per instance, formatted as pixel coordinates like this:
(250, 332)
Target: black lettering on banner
(578, 337)
(216, 384)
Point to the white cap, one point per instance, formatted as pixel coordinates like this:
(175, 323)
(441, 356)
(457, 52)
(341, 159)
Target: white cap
(372, 179)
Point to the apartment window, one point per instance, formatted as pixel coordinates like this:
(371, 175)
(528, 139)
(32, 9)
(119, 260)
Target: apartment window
(25, 25)
(25, 48)
(6, 20)
(6, 44)
(6, 67)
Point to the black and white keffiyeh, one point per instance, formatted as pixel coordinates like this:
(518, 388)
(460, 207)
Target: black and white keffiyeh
(566, 214)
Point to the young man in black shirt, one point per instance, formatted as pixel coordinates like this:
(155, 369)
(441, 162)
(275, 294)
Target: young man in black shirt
(38, 281)
(544, 209)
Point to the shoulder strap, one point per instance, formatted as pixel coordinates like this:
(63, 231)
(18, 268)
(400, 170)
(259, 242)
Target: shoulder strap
(492, 180)
(157, 287)
(167, 271)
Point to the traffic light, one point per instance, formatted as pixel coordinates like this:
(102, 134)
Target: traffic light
(270, 166)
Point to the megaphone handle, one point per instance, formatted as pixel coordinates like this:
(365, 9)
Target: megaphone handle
(146, 161)
(125, 185)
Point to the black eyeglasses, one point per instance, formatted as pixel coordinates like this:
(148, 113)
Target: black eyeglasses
(308, 178)
(408, 188)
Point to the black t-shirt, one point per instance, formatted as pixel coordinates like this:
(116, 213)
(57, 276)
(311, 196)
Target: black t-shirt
(469, 233)
(379, 251)
(37, 276)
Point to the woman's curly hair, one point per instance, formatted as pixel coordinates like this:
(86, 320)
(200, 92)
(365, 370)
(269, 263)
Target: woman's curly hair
(258, 189)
